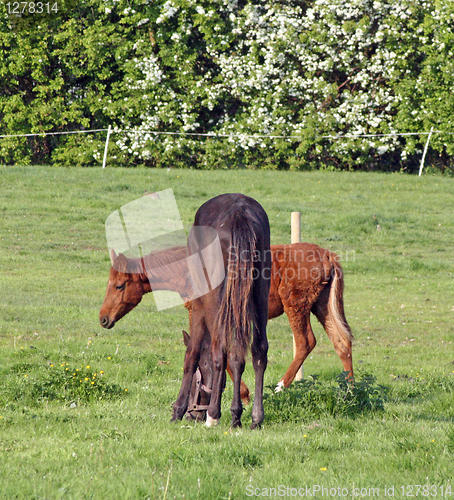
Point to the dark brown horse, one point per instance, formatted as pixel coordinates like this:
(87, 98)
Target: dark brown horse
(305, 278)
(202, 381)
(235, 308)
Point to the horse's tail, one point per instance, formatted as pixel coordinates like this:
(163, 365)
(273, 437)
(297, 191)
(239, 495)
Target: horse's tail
(336, 303)
(236, 309)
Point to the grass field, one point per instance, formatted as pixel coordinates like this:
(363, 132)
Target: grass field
(85, 412)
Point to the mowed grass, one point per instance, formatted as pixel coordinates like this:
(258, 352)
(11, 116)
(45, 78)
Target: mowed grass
(85, 412)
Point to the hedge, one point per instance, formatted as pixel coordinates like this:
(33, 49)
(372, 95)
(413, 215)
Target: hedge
(277, 84)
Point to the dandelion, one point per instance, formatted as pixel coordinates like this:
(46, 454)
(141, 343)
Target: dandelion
(323, 468)
(87, 367)
(101, 372)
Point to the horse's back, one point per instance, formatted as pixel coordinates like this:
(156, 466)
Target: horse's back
(300, 271)
(306, 260)
(219, 212)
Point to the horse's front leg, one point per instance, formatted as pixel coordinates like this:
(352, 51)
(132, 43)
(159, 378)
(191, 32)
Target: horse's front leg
(304, 342)
(181, 404)
(191, 361)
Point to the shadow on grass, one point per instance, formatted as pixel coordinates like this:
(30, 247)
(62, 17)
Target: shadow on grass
(310, 398)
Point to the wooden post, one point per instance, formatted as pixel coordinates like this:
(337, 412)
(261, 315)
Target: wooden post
(296, 238)
(296, 227)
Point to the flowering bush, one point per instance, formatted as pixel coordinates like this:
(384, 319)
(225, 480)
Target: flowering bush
(296, 84)
(59, 383)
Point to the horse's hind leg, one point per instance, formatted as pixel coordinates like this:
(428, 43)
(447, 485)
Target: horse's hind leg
(336, 328)
(304, 342)
(237, 367)
(259, 351)
(245, 394)
(219, 364)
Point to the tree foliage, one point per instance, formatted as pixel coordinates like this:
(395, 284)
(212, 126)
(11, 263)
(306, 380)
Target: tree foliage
(279, 84)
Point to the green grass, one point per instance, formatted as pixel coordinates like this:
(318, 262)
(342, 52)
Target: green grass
(64, 437)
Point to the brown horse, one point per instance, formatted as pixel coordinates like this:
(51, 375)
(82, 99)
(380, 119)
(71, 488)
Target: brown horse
(131, 279)
(235, 308)
(305, 278)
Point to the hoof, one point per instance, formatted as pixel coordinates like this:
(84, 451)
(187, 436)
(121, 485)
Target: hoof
(211, 422)
(279, 387)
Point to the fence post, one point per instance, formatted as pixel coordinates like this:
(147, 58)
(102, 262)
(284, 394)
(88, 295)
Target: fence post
(106, 147)
(296, 238)
(425, 151)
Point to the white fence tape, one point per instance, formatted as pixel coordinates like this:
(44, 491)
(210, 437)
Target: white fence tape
(257, 136)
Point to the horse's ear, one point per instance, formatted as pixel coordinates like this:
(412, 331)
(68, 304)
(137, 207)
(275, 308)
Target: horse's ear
(186, 338)
(122, 264)
(113, 255)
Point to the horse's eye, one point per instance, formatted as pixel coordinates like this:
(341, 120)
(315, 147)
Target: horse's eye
(120, 287)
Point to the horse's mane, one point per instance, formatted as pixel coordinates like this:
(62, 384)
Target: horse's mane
(142, 268)
(174, 255)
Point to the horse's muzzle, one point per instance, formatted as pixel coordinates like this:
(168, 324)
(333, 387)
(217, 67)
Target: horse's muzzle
(106, 323)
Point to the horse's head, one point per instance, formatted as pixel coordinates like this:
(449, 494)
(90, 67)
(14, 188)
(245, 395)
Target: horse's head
(200, 395)
(125, 289)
